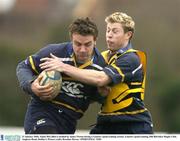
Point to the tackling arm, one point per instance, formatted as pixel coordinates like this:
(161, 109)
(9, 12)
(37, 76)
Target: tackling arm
(97, 78)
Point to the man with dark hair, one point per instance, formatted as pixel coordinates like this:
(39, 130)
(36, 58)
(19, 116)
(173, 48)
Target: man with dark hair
(59, 115)
(124, 111)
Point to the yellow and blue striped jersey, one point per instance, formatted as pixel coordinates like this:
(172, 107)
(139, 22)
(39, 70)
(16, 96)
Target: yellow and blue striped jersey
(127, 70)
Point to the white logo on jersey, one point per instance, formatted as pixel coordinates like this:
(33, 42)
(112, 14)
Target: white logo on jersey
(41, 121)
(72, 89)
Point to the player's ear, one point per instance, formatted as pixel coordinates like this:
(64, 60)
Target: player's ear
(95, 39)
(94, 43)
(129, 34)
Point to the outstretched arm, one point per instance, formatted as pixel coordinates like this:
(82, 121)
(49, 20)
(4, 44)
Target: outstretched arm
(97, 78)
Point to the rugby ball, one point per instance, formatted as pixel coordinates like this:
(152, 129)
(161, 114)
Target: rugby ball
(53, 78)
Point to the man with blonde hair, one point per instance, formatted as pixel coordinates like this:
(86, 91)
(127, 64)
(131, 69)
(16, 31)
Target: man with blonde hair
(123, 80)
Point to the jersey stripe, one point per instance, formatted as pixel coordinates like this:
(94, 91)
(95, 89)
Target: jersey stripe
(124, 113)
(119, 71)
(32, 64)
(97, 66)
(67, 106)
(138, 68)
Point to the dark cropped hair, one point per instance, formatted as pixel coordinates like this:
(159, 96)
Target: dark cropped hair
(83, 26)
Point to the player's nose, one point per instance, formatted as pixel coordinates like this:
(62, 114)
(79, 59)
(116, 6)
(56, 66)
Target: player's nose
(82, 49)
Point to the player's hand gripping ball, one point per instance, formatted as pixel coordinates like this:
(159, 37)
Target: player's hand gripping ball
(53, 78)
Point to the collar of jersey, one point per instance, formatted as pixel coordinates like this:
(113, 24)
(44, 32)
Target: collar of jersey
(124, 49)
(119, 52)
(90, 62)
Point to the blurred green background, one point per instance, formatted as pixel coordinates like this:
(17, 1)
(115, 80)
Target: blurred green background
(28, 25)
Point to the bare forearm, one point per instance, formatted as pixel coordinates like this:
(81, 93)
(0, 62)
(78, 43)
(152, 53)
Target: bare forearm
(98, 78)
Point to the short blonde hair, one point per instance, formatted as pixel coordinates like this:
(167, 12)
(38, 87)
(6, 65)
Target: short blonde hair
(122, 18)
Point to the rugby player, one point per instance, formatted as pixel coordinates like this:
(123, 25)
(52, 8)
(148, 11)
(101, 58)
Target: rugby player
(124, 111)
(59, 115)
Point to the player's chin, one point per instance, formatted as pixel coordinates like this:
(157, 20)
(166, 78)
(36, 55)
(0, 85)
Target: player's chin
(111, 48)
(82, 58)
(45, 98)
